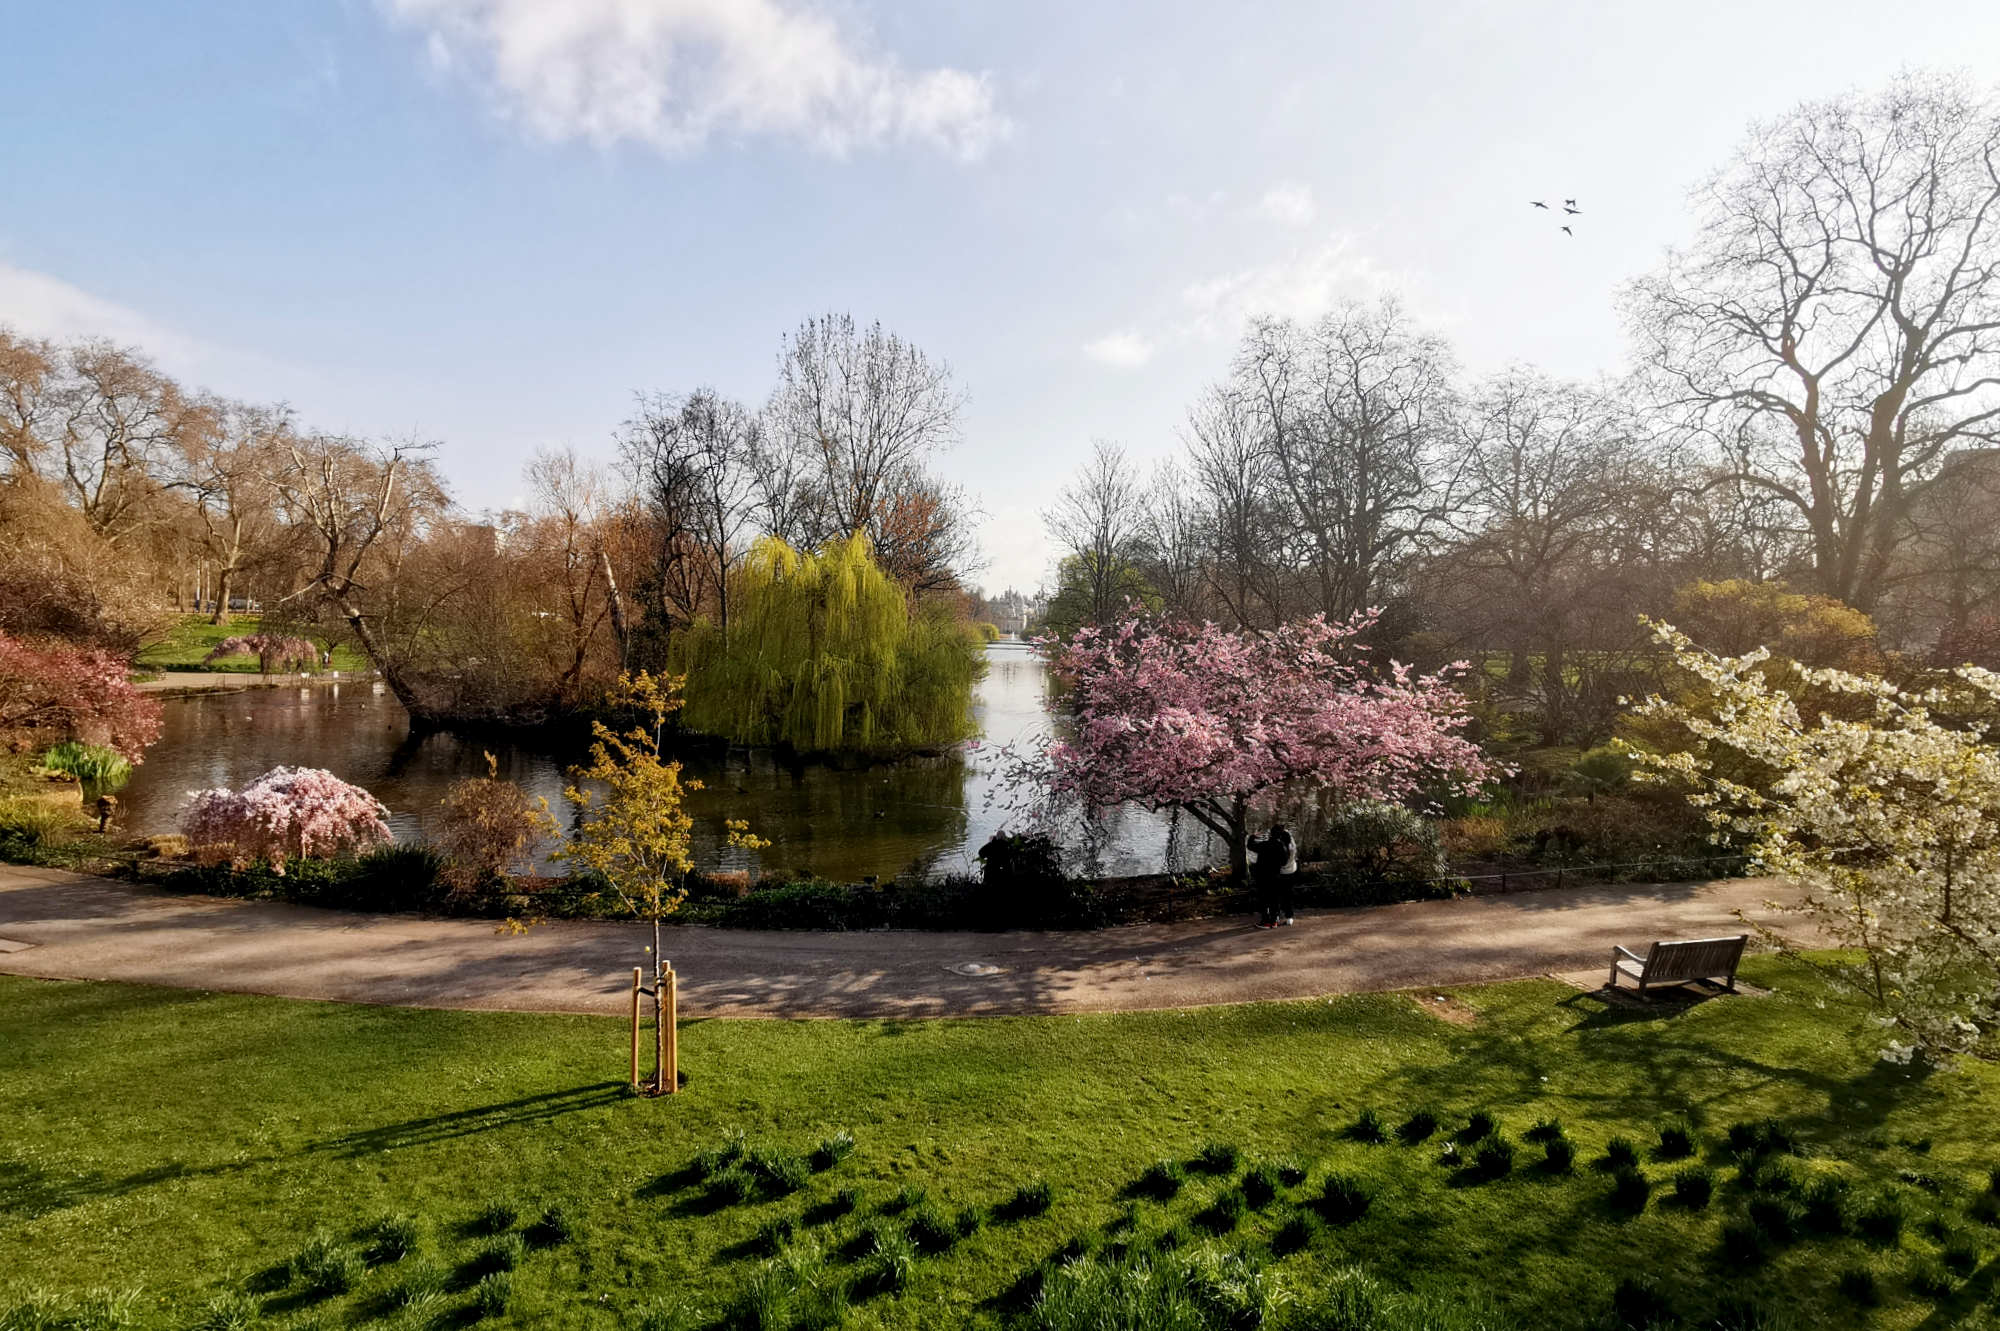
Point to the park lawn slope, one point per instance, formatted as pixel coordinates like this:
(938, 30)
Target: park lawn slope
(188, 1144)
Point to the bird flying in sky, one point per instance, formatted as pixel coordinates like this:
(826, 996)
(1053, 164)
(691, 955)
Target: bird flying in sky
(1538, 203)
(1571, 234)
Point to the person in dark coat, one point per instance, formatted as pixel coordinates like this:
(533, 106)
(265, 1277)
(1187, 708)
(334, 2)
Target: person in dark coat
(1277, 862)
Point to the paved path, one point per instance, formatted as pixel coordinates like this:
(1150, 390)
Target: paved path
(68, 926)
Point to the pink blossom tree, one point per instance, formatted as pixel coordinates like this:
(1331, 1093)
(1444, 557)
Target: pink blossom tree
(85, 694)
(1173, 715)
(273, 651)
(287, 812)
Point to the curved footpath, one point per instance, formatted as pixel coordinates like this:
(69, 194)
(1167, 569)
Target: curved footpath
(59, 925)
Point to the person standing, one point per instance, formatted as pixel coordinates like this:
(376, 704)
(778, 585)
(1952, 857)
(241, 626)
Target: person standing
(1284, 850)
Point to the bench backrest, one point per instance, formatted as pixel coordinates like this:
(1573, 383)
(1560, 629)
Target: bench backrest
(1694, 959)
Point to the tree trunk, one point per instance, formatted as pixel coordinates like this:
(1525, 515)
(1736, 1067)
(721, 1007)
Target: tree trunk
(618, 626)
(223, 578)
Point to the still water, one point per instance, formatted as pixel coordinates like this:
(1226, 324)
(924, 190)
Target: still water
(845, 825)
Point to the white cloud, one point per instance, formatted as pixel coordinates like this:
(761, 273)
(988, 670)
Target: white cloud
(1287, 205)
(1302, 285)
(37, 305)
(671, 73)
(1121, 349)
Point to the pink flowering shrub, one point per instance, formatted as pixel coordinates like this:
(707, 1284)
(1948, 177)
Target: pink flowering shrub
(288, 811)
(81, 694)
(273, 651)
(1170, 714)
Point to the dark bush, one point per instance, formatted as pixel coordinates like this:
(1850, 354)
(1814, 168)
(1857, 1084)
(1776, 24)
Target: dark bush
(1029, 1200)
(1417, 1128)
(398, 877)
(1225, 1212)
(1960, 1256)
(1776, 1218)
(1619, 1153)
(806, 905)
(1630, 1191)
(1858, 1285)
(930, 1232)
(1545, 1130)
(1743, 1243)
(1558, 1155)
(1639, 1304)
(1676, 1143)
(1492, 1159)
(1880, 1221)
(1162, 1180)
(1763, 1137)
(1825, 1210)
(1368, 1127)
(1693, 1187)
(1478, 1126)
(1260, 1186)
(832, 1150)
(1343, 1200)
(1218, 1158)
(1295, 1234)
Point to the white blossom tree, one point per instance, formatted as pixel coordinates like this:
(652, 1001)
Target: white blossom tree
(1889, 819)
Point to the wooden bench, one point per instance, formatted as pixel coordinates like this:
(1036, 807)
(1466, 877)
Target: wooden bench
(1680, 962)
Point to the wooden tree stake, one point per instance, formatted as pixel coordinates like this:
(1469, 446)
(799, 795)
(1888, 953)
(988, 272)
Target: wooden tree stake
(670, 1060)
(637, 973)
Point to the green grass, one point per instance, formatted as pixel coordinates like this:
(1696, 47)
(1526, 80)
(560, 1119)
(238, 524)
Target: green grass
(193, 637)
(205, 1148)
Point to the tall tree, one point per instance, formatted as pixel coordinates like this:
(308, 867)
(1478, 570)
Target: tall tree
(1834, 327)
(697, 462)
(1099, 523)
(857, 416)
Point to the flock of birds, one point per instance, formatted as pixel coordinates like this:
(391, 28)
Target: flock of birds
(1569, 207)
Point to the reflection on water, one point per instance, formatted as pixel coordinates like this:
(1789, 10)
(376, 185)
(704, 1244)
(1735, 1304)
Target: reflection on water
(846, 825)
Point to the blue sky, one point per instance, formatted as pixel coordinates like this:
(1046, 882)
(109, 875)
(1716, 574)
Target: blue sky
(491, 222)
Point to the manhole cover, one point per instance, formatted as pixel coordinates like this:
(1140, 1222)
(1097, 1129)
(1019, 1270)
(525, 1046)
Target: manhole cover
(9, 945)
(974, 968)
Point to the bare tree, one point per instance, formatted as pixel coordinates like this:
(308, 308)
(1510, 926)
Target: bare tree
(1175, 541)
(226, 473)
(362, 507)
(1099, 523)
(696, 461)
(1226, 457)
(1835, 326)
(853, 425)
(1353, 414)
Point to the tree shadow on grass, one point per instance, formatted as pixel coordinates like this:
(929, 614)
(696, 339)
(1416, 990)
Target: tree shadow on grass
(526, 1111)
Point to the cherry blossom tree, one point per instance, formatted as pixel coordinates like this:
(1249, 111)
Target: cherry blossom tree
(273, 651)
(1175, 715)
(288, 812)
(83, 693)
(1890, 821)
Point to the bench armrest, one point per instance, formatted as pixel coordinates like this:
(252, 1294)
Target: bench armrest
(1628, 952)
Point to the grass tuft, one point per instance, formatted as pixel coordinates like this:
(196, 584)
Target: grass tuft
(1218, 1158)
(1295, 1234)
(1343, 1199)
(1162, 1180)
(552, 1228)
(493, 1293)
(1368, 1127)
(1638, 1302)
(832, 1150)
(327, 1267)
(1260, 1186)
(1880, 1220)
(1029, 1200)
(1676, 1142)
(1558, 1156)
(1225, 1212)
(931, 1232)
(1630, 1191)
(225, 1312)
(1693, 1187)
(1545, 1130)
(1619, 1153)
(1479, 1125)
(1418, 1128)
(496, 1216)
(1857, 1284)
(392, 1238)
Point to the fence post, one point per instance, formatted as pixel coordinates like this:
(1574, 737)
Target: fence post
(637, 981)
(670, 1063)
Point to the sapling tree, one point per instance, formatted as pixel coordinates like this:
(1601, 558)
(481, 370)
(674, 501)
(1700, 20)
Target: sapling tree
(1175, 715)
(1888, 817)
(635, 832)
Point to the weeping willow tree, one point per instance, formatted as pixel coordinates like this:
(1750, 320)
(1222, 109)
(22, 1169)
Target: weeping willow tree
(826, 653)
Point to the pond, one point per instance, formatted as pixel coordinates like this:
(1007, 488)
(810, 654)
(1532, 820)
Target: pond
(845, 825)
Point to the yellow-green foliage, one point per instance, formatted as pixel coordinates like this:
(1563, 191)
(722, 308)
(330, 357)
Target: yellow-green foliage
(826, 652)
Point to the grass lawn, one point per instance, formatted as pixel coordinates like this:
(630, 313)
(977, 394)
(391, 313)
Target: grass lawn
(190, 1145)
(193, 637)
